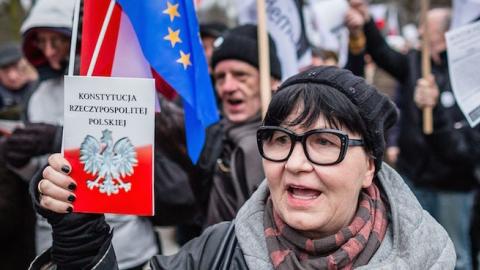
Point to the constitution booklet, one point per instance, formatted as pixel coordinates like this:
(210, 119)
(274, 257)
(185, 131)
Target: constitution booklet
(108, 138)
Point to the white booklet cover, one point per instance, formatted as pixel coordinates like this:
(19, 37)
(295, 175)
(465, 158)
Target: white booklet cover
(108, 138)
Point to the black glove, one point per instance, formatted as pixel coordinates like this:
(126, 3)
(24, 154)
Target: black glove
(31, 141)
(79, 240)
(2, 149)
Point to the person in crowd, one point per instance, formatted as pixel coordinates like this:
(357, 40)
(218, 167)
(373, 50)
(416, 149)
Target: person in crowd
(209, 32)
(17, 218)
(17, 81)
(454, 146)
(443, 187)
(322, 57)
(327, 200)
(46, 44)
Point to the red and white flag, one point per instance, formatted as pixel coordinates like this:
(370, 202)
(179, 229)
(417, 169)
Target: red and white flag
(119, 47)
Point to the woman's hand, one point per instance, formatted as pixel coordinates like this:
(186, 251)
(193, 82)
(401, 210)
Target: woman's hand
(56, 188)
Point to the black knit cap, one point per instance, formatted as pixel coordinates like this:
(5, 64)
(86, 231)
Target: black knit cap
(212, 29)
(240, 43)
(376, 109)
(9, 54)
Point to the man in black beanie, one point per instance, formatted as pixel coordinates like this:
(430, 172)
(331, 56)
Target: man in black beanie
(209, 32)
(236, 73)
(230, 167)
(233, 162)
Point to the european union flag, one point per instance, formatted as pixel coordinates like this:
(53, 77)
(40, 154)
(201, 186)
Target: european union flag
(170, 41)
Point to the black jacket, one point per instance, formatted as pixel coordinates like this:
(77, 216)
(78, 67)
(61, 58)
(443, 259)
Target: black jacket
(434, 161)
(216, 248)
(237, 170)
(17, 222)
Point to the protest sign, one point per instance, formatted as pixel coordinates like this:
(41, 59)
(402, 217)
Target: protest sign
(326, 27)
(463, 45)
(108, 138)
(287, 29)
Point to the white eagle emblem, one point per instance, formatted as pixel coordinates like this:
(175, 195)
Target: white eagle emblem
(108, 161)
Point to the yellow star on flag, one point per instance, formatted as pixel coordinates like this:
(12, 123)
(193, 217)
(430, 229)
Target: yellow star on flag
(173, 37)
(184, 59)
(172, 11)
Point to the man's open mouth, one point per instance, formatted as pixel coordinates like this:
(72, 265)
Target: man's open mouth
(234, 101)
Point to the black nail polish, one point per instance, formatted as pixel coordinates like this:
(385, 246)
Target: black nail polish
(72, 186)
(69, 209)
(65, 169)
(71, 198)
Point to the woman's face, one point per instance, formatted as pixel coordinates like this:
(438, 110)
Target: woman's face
(314, 199)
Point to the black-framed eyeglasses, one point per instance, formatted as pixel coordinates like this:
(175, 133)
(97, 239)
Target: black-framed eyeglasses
(321, 146)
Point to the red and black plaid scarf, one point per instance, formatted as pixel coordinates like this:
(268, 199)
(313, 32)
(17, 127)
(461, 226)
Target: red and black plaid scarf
(352, 246)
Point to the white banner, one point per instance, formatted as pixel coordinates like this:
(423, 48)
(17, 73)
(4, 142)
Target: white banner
(326, 28)
(285, 25)
(463, 45)
(464, 12)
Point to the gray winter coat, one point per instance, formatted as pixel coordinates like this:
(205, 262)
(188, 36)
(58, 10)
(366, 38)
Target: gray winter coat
(414, 240)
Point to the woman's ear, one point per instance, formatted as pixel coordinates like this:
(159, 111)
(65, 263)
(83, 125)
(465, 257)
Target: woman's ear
(369, 172)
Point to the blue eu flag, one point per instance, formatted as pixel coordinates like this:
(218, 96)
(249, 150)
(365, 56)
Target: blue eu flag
(170, 41)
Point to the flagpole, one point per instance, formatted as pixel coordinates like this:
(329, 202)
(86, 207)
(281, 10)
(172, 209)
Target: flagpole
(426, 65)
(264, 56)
(101, 36)
(73, 41)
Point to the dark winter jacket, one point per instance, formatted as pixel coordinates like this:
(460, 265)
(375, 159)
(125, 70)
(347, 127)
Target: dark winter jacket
(427, 160)
(17, 218)
(414, 240)
(12, 103)
(237, 173)
(228, 172)
(17, 221)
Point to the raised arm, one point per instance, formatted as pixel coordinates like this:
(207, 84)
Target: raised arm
(455, 142)
(387, 58)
